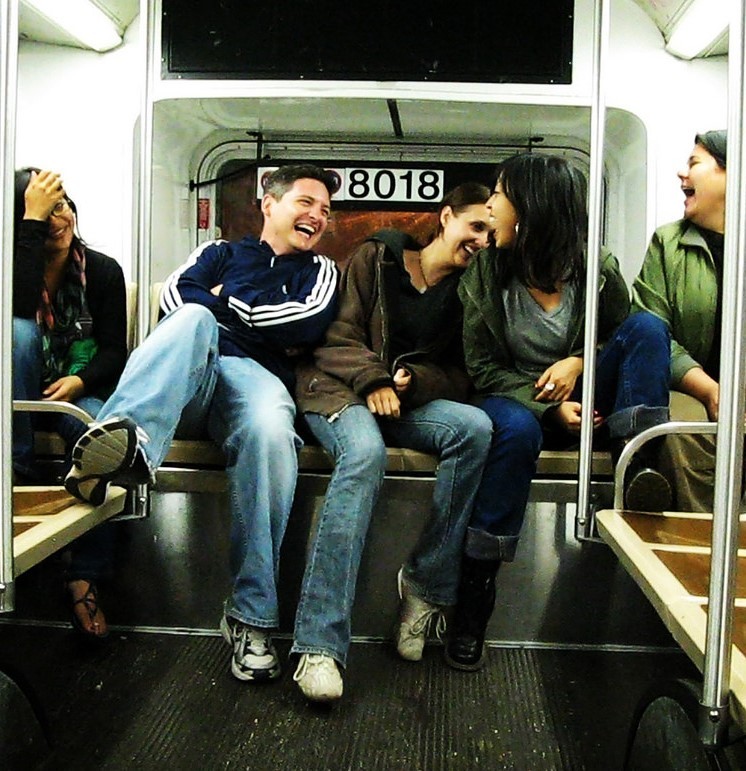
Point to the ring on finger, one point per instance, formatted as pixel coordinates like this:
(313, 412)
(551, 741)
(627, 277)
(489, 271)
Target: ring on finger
(550, 387)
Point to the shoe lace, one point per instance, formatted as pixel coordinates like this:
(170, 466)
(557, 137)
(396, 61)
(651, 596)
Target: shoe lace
(252, 639)
(310, 662)
(434, 616)
(429, 614)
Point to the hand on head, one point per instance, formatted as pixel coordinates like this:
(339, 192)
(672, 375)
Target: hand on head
(43, 192)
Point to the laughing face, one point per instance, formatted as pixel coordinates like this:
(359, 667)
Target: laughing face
(61, 228)
(503, 219)
(296, 222)
(466, 232)
(703, 183)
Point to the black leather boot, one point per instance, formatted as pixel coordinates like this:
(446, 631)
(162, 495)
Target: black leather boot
(645, 488)
(476, 600)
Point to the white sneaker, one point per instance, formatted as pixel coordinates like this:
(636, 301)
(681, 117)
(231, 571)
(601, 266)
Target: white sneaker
(415, 618)
(318, 677)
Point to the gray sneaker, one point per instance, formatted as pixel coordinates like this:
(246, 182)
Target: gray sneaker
(107, 451)
(318, 677)
(254, 657)
(415, 619)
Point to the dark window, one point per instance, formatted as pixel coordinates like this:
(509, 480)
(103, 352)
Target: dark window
(514, 41)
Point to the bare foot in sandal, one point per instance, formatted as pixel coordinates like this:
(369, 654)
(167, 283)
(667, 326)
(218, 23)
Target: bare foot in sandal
(87, 617)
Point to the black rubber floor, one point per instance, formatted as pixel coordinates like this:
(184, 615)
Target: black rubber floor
(147, 701)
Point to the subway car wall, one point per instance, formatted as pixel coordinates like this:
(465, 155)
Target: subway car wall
(648, 134)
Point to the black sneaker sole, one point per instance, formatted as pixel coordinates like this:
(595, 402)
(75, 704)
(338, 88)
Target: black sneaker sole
(103, 453)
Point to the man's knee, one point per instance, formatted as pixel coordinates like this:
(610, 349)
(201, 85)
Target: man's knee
(192, 321)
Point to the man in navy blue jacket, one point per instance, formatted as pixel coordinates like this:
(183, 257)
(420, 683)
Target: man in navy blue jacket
(221, 362)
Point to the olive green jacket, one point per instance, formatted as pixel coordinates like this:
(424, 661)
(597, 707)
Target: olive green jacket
(678, 283)
(488, 358)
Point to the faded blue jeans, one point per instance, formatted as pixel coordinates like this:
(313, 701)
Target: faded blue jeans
(177, 383)
(460, 436)
(91, 554)
(631, 393)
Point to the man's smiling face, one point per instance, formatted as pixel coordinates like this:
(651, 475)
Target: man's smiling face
(296, 222)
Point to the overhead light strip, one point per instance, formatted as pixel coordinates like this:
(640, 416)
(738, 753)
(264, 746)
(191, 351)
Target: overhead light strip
(81, 19)
(702, 24)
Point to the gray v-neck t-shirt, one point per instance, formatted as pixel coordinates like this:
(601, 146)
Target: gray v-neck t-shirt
(536, 338)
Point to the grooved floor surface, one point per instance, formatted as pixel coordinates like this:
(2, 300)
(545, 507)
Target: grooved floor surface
(153, 701)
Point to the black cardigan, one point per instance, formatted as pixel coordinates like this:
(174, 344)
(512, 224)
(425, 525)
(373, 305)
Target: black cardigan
(105, 294)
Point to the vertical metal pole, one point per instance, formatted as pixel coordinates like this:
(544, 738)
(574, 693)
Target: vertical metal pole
(8, 87)
(714, 717)
(145, 168)
(595, 194)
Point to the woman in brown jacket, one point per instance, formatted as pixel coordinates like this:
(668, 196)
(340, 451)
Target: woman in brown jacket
(390, 372)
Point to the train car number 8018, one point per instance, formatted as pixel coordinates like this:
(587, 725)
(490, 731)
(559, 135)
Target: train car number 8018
(400, 185)
(377, 184)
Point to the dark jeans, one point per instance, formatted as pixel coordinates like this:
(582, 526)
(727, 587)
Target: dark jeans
(91, 554)
(632, 380)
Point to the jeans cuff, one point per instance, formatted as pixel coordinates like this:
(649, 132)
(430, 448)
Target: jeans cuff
(481, 545)
(633, 420)
(419, 591)
(316, 650)
(231, 612)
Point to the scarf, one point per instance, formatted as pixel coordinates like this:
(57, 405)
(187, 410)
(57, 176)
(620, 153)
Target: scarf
(66, 324)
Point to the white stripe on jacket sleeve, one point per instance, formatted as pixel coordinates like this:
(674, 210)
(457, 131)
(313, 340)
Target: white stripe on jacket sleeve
(316, 301)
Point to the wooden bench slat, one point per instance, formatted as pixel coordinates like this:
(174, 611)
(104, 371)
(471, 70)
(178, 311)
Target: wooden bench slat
(675, 581)
(33, 541)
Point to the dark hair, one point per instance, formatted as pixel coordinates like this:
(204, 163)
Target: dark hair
(22, 178)
(460, 198)
(716, 144)
(548, 195)
(282, 179)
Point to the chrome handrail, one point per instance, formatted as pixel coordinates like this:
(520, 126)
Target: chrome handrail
(714, 717)
(24, 405)
(8, 87)
(595, 196)
(636, 442)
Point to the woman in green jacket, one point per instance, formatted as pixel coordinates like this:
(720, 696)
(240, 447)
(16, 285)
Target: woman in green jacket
(523, 342)
(680, 281)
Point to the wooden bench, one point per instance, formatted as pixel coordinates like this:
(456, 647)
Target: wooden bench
(668, 555)
(195, 465)
(46, 519)
(198, 465)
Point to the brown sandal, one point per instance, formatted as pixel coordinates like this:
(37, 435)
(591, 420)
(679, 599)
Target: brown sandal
(92, 613)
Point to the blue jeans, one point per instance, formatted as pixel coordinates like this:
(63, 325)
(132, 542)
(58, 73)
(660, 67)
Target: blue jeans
(459, 435)
(177, 383)
(632, 377)
(90, 554)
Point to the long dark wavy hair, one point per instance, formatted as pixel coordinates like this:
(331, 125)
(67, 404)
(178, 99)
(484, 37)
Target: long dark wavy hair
(548, 195)
(22, 178)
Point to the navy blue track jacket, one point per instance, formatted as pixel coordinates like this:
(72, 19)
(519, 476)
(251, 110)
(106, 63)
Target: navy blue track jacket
(269, 306)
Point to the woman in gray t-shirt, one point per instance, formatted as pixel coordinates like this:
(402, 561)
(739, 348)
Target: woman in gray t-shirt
(524, 303)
